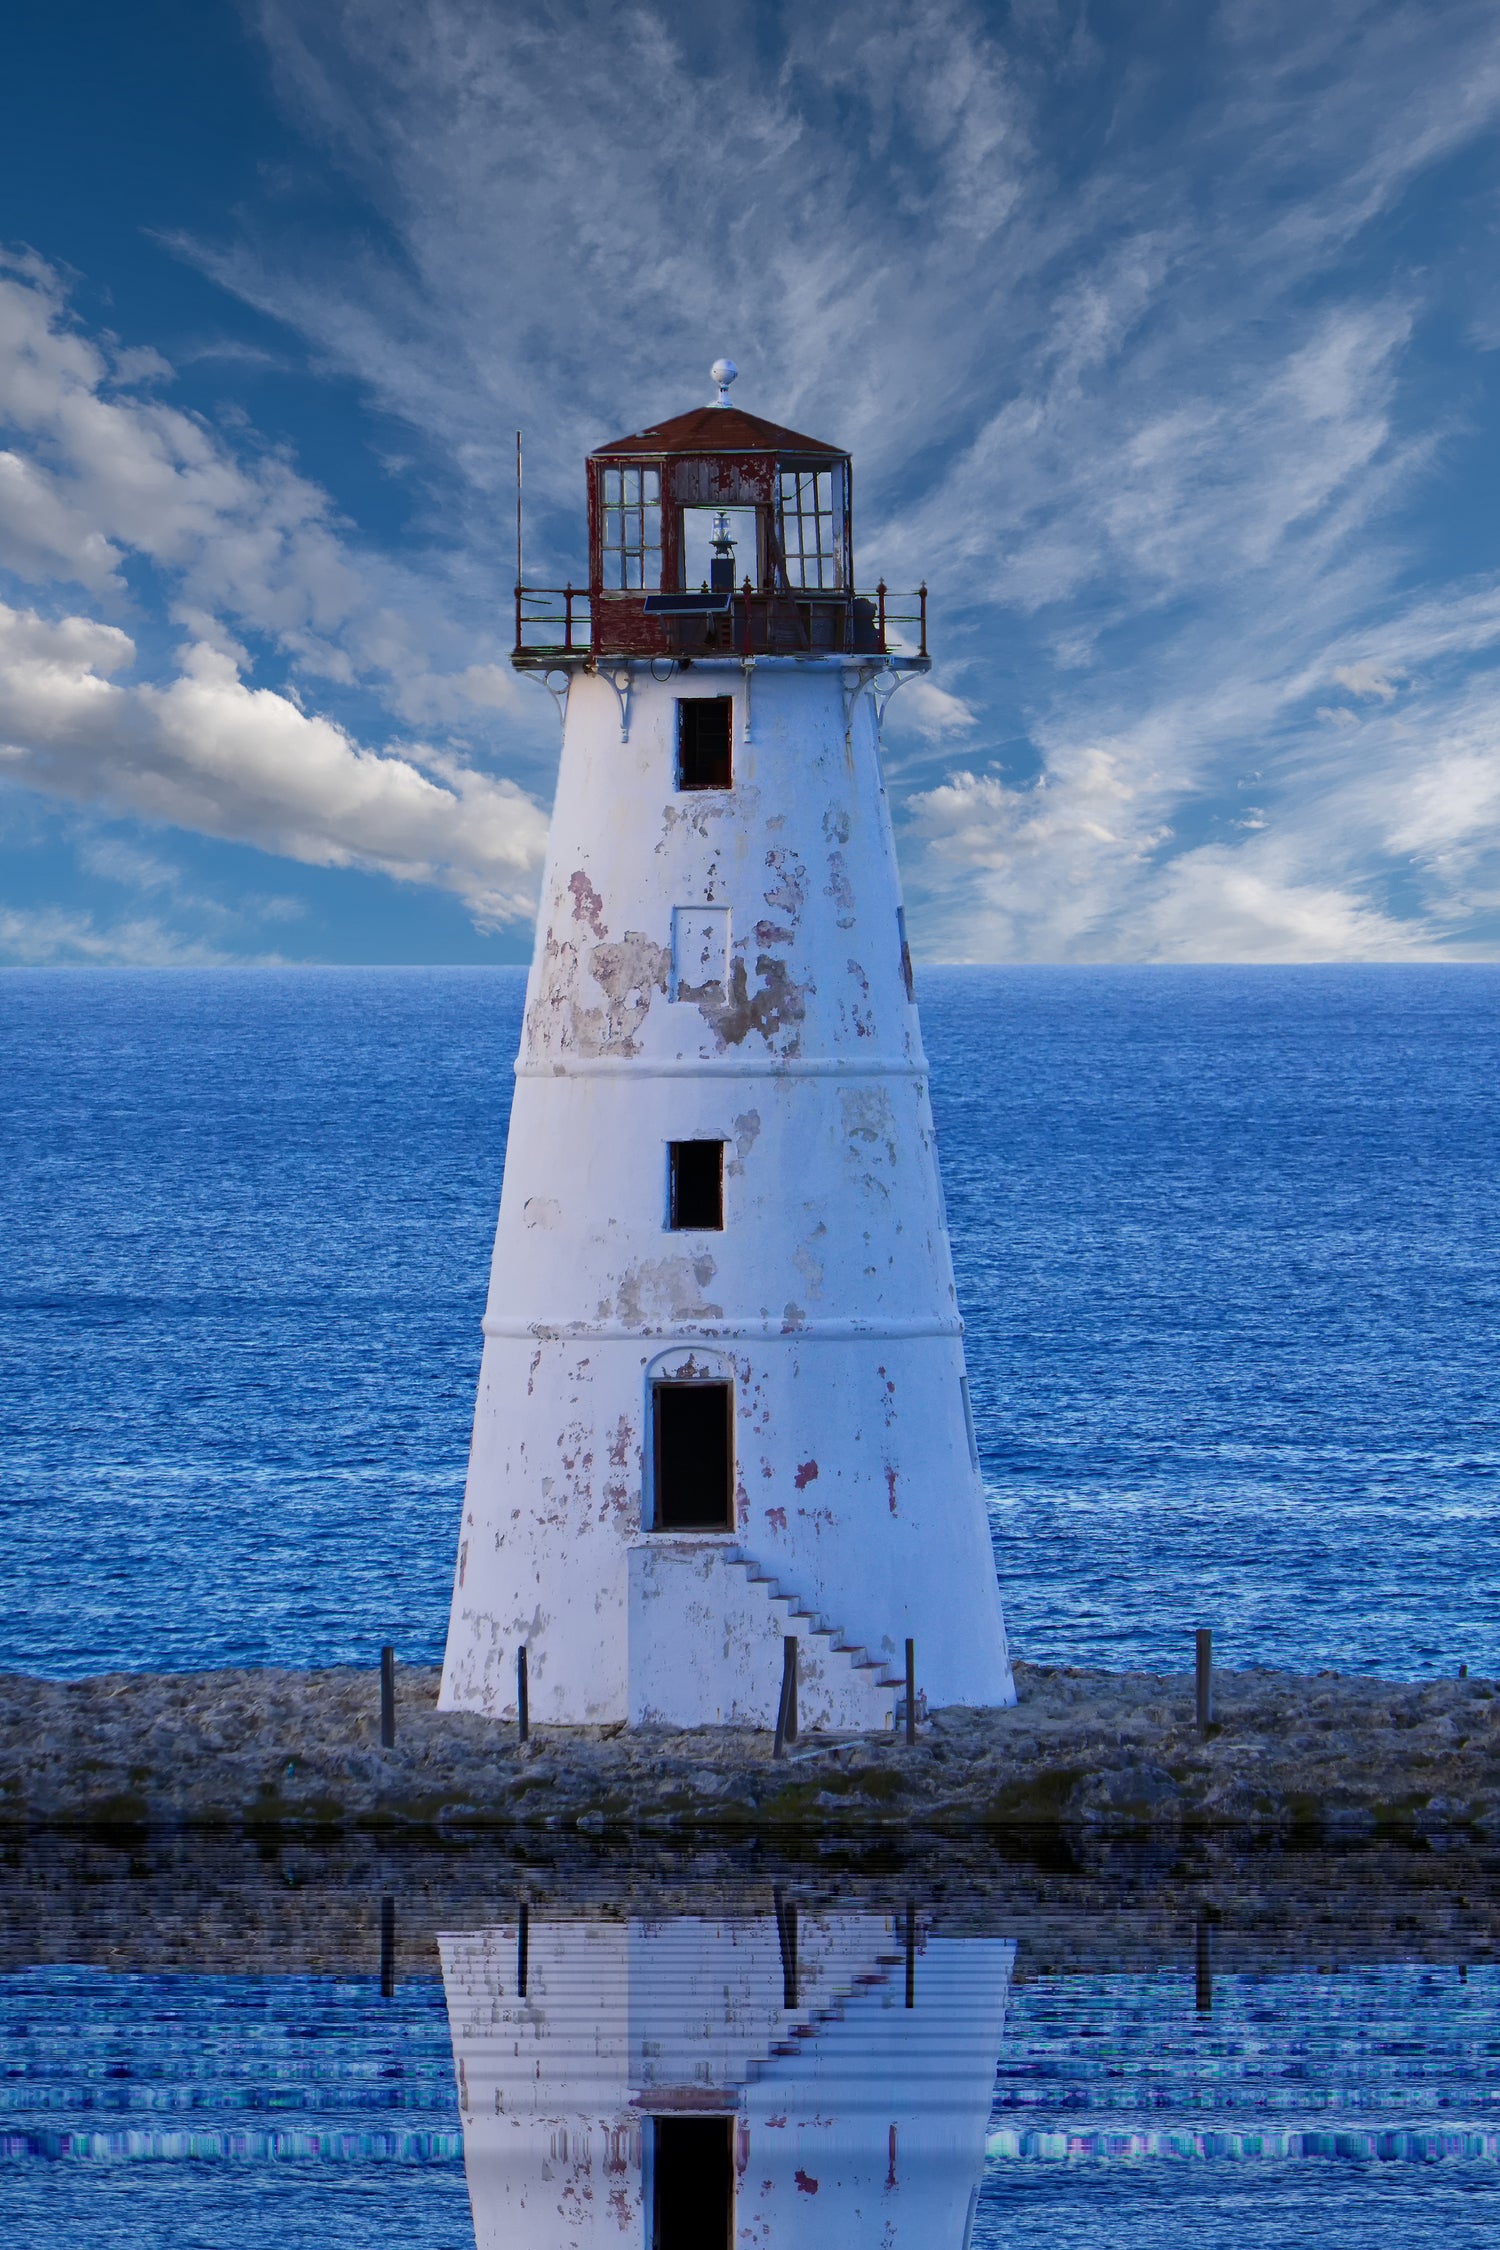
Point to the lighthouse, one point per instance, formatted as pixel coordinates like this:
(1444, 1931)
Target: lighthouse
(722, 1402)
(801, 2079)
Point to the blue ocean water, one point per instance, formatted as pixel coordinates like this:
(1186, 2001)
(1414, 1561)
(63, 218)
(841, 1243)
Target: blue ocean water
(221, 2112)
(1227, 1243)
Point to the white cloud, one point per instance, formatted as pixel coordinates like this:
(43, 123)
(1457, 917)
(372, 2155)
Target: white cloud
(1365, 679)
(1052, 870)
(1247, 904)
(208, 753)
(1035, 873)
(95, 478)
(1151, 403)
(1133, 381)
(934, 712)
(104, 852)
(47, 937)
(42, 535)
(106, 473)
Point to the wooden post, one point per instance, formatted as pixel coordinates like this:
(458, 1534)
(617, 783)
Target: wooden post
(911, 1953)
(523, 1950)
(786, 1933)
(911, 1691)
(388, 1949)
(1205, 1680)
(523, 1698)
(786, 1715)
(388, 1698)
(1204, 1964)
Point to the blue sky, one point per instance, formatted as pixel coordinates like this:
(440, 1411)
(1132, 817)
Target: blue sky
(1166, 341)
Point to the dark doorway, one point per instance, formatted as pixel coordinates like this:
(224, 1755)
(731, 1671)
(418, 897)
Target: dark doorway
(697, 1172)
(692, 2192)
(694, 1456)
(704, 756)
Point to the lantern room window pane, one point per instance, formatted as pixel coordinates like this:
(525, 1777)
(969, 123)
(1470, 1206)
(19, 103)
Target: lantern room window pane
(811, 530)
(631, 538)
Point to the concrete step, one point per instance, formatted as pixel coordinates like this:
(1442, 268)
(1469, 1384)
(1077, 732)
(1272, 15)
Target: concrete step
(838, 1640)
(707, 1623)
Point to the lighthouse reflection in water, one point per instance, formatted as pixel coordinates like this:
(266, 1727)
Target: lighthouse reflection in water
(683, 2084)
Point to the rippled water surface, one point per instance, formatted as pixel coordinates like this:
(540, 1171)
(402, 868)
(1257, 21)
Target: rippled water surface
(493, 2067)
(1227, 1243)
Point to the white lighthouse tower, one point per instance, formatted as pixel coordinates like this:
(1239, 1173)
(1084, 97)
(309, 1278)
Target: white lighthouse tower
(809, 2081)
(722, 1398)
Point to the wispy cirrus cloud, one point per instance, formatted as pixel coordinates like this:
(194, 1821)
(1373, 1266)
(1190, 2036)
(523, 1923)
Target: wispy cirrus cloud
(1145, 400)
(62, 937)
(1154, 338)
(109, 491)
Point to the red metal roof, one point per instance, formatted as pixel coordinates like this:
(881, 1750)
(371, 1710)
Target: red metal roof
(718, 429)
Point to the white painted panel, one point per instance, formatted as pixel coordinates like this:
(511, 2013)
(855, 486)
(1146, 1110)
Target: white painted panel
(700, 952)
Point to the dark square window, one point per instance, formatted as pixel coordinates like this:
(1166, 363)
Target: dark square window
(704, 756)
(692, 1425)
(697, 1170)
(692, 2183)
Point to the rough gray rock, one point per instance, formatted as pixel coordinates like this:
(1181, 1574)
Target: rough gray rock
(1091, 1752)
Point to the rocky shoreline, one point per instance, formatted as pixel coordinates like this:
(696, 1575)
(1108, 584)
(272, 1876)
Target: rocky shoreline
(1322, 1758)
(311, 1903)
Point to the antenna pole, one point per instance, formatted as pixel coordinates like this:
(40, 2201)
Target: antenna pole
(520, 621)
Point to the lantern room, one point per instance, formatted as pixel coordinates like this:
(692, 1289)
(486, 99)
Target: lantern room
(717, 533)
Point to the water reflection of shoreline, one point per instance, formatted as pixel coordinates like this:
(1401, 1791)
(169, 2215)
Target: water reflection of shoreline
(779, 2079)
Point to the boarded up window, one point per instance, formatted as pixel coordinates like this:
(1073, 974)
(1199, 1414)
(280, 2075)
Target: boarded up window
(705, 757)
(697, 1184)
(692, 1425)
(692, 2183)
(906, 975)
(700, 953)
(968, 1404)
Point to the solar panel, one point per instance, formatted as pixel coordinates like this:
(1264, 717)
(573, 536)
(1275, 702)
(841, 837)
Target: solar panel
(709, 603)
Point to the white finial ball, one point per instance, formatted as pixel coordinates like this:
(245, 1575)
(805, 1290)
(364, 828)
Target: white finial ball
(723, 372)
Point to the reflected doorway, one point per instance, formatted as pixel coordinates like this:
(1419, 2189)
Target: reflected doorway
(692, 2183)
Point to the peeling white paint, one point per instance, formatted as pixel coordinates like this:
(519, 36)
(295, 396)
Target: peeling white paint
(829, 1292)
(855, 2118)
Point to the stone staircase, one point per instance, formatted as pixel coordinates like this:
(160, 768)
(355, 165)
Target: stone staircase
(707, 1623)
(824, 1644)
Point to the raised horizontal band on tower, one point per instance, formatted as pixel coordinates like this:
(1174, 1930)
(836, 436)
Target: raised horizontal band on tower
(718, 1332)
(726, 1066)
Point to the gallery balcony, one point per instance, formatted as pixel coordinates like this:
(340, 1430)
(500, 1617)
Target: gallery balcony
(560, 627)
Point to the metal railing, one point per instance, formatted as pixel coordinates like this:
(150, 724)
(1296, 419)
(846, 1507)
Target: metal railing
(552, 621)
(562, 622)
